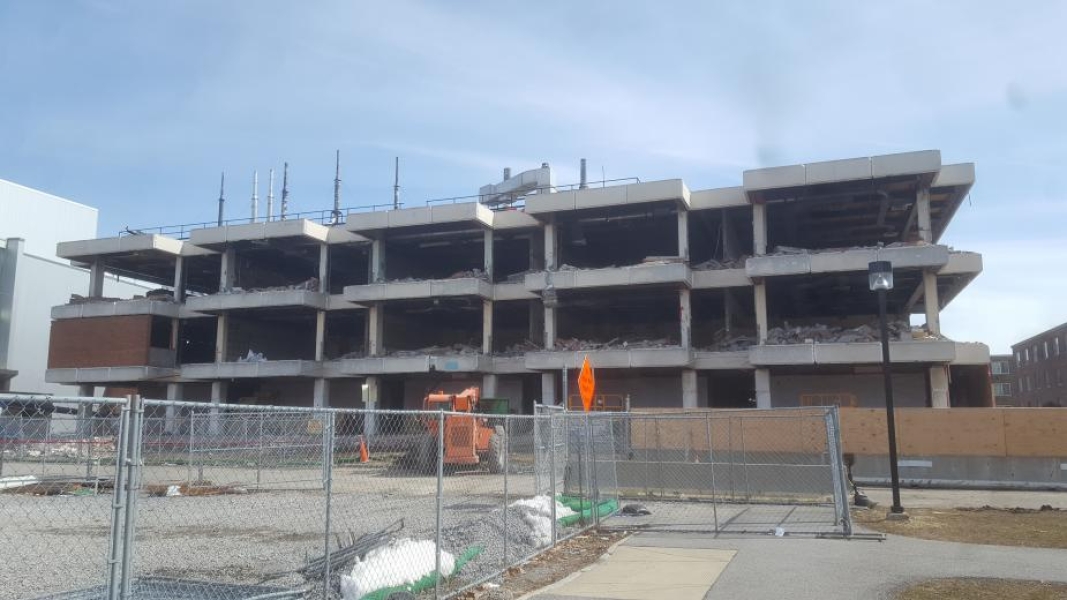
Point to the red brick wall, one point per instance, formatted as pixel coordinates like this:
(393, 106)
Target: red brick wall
(100, 342)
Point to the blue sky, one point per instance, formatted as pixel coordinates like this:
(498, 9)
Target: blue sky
(136, 107)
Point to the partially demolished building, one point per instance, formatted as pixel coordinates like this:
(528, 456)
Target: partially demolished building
(735, 297)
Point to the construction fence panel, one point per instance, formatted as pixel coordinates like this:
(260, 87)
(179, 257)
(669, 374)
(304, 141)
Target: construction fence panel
(58, 466)
(768, 471)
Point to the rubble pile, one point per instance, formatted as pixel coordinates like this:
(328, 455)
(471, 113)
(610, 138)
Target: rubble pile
(521, 348)
(713, 265)
(574, 344)
(732, 343)
(820, 333)
(475, 273)
(308, 285)
(792, 250)
(451, 349)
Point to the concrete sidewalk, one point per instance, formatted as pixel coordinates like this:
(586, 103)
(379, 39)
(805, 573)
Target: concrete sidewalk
(934, 498)
(801, 568)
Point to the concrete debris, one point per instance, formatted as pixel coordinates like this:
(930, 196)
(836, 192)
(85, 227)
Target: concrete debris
(475, 273)
(732, 343)
(713, 265)
(309, 285)
(662, 260)
(452, 349)
(521, 348)
(574, 345)
(566, 267)
(791, 250)
(516, 277)
(252, 356)
(353, 354)
(79, 299)
(820, 333)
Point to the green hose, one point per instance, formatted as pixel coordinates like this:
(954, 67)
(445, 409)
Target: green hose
(603, 509)
(428, 580)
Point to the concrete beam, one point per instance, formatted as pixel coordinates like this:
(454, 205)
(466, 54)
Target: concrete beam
(717, 198)
(430, 288)
(685, 309)
(759, 229)
(91, 375)
(922, 200)
(931, 302)
(759, 292)
(375, 329)
(721, 361)
(763, 388)
(321, 398)
(939, 381)
(683, 234)
(160, 308)
(718, 278)
(487, 253)
(251, 300)
(643, 274)
(250, 370)
(689, 388)
(96, 279)
(487, 327)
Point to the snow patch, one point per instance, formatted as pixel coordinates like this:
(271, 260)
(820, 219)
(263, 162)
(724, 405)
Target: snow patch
(398, 563)
(537, 515)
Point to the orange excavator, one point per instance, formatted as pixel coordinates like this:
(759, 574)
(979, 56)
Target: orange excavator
(469, 438)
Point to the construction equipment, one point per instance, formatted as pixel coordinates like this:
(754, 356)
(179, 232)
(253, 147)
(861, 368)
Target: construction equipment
(469, 440)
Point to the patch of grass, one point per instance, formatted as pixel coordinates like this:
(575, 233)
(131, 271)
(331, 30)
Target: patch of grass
(1045, 528)
(983, 589)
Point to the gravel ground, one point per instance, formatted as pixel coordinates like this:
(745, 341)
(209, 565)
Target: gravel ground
(54, 544)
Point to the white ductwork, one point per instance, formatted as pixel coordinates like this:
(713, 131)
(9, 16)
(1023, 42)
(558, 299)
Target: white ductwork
(534, 181)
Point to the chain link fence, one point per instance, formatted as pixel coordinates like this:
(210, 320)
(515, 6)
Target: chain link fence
(130, 498)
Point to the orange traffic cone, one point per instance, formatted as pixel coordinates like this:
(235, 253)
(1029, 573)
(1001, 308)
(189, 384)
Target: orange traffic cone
(364, 456)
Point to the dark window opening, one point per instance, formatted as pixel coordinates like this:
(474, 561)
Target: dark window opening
(512, 332)
(439, 325)
(271, 335)
(349, 265)
(435, 256)
(730, 389)
(595, 239)
(720, 238)
(160, 334)
(633, 317)
(511, 257)
(345, 334)
(723, 319)
(196, 340)
(275, 264)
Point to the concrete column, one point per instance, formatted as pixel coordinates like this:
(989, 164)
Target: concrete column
(932, 302)
(320, 335)
(548, 388)
(686, 312)
(324, 268)
(551, 247)
(179, 279)
(377, 260)
(490, 382)
(759, 229)
(728, 301)
(375, 329)
(371, 401)
(222, 335)
(170, 415)
(683, 233)
(9, 265)
(689, 388)
(759, 291)
(227, 269)
(939, 386)
(96, 279)
(322, 393)
(550, 328)
(86, 390)
(763, 388)
(218, 396)
(487, 253)
(487, 326)
(922, 201)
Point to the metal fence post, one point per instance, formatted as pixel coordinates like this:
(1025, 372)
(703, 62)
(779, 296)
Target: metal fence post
(507, 471)
(440, 485)
(133, 486)
(833, 439)
(711, 463)
(552, 474)
(118, 506)
(595, 483)
(744, 461)
(189, 465)
(259, 453)
(329, 500)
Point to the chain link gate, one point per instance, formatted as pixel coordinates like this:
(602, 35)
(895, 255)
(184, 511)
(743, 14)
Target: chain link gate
(124, 498)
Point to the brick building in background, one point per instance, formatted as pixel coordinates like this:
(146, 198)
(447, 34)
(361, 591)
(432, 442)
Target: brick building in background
(1002, 368)
(1041, 369)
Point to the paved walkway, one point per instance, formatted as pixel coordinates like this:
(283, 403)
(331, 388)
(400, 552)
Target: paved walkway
(923, 498)
(800, 568)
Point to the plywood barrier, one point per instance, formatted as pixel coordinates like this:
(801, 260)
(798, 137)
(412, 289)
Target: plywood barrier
(1004, 432)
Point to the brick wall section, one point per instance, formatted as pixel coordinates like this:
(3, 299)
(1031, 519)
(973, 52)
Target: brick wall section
(100, 342)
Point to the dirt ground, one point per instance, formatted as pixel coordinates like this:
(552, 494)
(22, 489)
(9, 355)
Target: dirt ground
(550, 566)
(1041, 528)
(983, 589)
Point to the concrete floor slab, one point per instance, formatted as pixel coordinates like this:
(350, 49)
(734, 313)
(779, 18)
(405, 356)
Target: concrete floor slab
(637, 573)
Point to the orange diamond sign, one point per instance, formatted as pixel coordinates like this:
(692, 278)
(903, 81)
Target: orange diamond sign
(586, 384)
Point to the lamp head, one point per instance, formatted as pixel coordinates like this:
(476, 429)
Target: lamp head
(880, 275)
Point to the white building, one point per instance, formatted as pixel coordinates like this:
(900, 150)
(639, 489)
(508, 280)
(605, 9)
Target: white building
(33, 280)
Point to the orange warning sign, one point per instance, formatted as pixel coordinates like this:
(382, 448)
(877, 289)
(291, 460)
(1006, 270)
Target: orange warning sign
(586, 384)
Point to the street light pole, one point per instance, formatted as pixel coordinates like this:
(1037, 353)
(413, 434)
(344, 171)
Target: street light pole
(880, 275)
